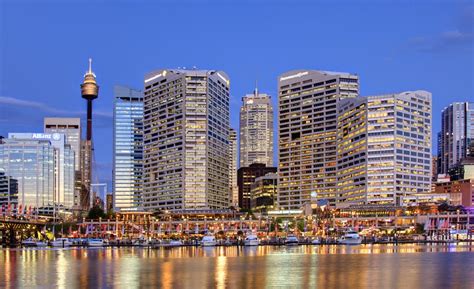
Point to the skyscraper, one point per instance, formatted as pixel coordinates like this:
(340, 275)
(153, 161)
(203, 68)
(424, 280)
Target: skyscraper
(89, 91)
(71, 128)
(186, 140)
(234, 190)
(256, 130)
(63, 163)
(384, 148)
(31, 163)
(8, 188)
(128, 148)
(457, 134)
(307, 134)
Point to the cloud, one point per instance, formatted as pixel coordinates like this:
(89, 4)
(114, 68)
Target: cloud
(459, 38)
(32, 111)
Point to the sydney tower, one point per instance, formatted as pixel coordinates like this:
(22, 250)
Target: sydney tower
(89, 91)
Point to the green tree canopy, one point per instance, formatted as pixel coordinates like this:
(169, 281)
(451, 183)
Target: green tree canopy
(96, 212)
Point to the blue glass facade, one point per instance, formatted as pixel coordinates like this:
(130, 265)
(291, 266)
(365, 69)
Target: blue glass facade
(128, 147)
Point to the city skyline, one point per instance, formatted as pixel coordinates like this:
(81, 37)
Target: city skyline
(409, 67)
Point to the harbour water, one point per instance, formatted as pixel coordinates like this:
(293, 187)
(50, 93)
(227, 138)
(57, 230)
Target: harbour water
(331, 266)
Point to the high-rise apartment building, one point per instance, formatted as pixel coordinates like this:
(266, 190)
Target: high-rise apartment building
(186, 140)
(256, 130)
(307, 134)
(384, 148)
(457, 134)
(128, 148)
(234, 190)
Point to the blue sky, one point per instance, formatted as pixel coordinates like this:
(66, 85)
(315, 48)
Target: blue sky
(393, 47)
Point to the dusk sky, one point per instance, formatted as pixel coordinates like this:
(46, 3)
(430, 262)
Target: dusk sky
(44, 47)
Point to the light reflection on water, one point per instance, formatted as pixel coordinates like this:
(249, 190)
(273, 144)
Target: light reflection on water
(364, 266)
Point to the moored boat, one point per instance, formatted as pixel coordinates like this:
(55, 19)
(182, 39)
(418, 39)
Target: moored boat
(251, 240)
(31, 242)
(350, 238)
(176, 243)
(61, 242)
(316, 241)
(208, 241)
(95, 243)
(291, 240)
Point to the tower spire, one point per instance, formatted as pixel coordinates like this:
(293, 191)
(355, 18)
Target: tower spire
(256, 88)
(90, 65)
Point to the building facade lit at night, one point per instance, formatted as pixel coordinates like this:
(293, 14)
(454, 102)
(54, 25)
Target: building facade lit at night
(186, 140)
(128, 148)
(307, 134)
(384, 148)
(256, 130)
(456, 136)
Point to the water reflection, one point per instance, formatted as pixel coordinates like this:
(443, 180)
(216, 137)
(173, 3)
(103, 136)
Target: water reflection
(367, 266)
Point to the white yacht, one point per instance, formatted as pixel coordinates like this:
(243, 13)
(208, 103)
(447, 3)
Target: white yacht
(291, 240)
(350, 238)
(31, 242)
(141, 242)
(251, 240)
(61, 242)
(95, 243)
(41, 244)
(208, 241)
(316, 241)
(176, 243)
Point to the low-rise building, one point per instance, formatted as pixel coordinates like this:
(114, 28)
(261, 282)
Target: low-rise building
(264, 192)
(246, 177)
(460, 192)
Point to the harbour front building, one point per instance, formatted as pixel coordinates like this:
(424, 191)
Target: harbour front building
(246, 176)
(186, 140)
(127, 148)
(384, 148)
(31, 162)
(307, 127)
(234, 191)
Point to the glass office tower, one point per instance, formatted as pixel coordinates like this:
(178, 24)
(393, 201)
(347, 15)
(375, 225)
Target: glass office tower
(31, 163)
(63, 163)
(128, 147)
(456, 136)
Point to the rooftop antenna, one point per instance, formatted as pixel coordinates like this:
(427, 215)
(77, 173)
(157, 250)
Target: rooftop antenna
(90, 65)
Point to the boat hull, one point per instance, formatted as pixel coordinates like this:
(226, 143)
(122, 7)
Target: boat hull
(251, 243)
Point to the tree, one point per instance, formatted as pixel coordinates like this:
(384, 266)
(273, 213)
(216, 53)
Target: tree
(96, 212)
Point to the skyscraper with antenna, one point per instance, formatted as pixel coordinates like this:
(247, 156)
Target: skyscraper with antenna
(256, 129)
